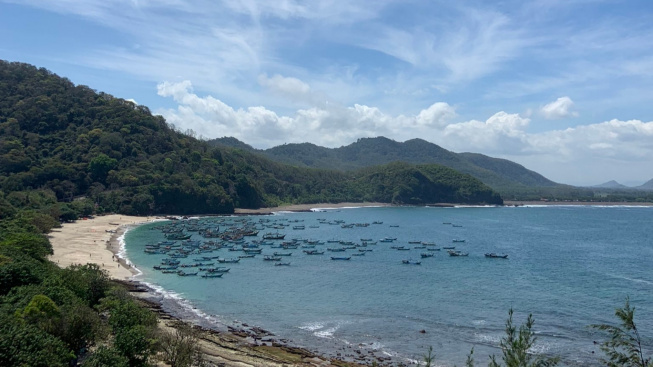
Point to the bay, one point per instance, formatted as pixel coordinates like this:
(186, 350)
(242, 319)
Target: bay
(570, 266)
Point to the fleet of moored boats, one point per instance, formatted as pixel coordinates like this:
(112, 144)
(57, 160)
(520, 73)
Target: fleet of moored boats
(242, 235)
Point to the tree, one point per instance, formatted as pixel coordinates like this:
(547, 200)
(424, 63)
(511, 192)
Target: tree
(81, 327)
(42, 312)
(27, 345)
(516, 344)
(105, 356)
(88, 282)
(135, 343)
(126, 314)
(180, 346)
(100, 166)
(624, 348)
(34, 245)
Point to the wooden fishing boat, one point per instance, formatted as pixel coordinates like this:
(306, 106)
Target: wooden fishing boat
(411, 262)
(496, 256)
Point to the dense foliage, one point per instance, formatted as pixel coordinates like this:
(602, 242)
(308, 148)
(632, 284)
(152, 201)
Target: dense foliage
(497, 173)
(67, 150)
(49, 316)
(511, 180)
(422, 184)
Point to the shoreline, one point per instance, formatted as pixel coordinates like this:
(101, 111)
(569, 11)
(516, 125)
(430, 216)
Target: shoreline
(240, 345)
(308, 207)
(574, 203)
(95, 240)
(507, 203)
(98, 240)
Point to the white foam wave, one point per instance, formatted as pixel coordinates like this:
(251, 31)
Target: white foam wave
(187, 307)
(122, 251)
(327, 333)
(185, 304)
(349, 207)
(312, 326)
(588, 205)
(634, 280)
(479, 322)
(541, 347)
(372, 345)
(487, 338)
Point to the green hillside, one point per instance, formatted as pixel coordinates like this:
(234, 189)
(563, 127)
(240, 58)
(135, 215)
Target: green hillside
(500, 174)
(72, 150)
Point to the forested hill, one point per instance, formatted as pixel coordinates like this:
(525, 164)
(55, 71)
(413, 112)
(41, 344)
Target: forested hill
(499, 174)
(65, 143)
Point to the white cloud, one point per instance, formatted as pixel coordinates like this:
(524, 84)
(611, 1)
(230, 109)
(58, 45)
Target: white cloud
(502, 133)
(613, 144)
(437, 115)
(331, 71)
(330, 125)
(560, 108)
(292, 90)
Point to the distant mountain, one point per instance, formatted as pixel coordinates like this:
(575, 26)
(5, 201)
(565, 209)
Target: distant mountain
(231, 142)
(648, 185)
(496, 173)
(611, 185)
(68, 150)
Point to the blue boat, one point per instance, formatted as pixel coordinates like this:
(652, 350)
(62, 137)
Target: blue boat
(228, 261)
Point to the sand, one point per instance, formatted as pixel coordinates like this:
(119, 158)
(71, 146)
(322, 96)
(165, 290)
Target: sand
(94, 241)
(307, 207)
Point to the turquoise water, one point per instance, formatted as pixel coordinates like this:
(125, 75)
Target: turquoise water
(568, 266)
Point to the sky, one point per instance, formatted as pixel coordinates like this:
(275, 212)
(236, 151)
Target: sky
(563, 87)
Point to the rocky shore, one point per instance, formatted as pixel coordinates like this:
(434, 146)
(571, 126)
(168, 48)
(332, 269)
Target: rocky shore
(97, 240)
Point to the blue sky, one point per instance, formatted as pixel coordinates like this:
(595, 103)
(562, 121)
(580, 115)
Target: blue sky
(562, 87)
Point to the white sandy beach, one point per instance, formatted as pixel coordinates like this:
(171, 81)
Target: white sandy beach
(94, 241)
(88, 241)
(307, 207)
(97, 240)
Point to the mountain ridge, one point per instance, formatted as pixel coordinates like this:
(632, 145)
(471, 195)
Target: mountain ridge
(648, 185)
(494, 172)
(612, 184)
(68, 148)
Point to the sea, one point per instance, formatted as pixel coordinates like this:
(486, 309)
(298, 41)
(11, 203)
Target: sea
(568, 266)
